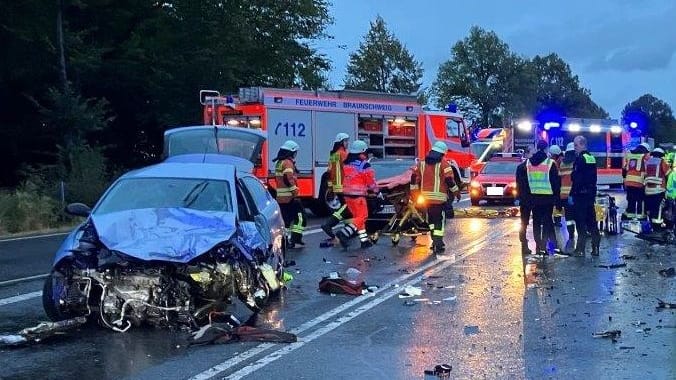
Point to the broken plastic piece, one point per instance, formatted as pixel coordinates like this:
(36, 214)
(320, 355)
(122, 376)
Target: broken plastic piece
(612, 266)
(665, 305)
(287, 277)
(613, 334)
(441, 371)
(410, 291)
(352, 274)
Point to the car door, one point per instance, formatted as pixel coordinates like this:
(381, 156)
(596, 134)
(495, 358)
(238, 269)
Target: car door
(265, 210)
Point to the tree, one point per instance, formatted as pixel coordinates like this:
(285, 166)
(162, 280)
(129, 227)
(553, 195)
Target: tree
(383, 64)
(654, 116)
(482, 73)
(558, 90)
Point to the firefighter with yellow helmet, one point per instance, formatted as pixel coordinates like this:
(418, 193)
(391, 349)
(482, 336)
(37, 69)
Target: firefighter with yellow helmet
(335, 185)
(434, 179)
(286, 180)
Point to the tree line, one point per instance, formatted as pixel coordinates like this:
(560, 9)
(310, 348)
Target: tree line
(88, 87)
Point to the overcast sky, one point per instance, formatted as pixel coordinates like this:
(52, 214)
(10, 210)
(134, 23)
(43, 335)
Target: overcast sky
(620, 49)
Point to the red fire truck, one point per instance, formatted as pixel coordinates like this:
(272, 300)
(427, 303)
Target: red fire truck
(394, 126)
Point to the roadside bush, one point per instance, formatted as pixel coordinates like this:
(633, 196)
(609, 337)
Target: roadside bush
(26, 209)
(87, 176)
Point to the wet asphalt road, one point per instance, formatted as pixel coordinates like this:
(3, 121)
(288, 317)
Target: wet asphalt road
(485, 311)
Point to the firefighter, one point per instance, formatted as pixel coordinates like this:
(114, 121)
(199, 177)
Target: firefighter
(582, 197)
(633, 173)
(359, 179)
(544, 186)
(525, 205)
(292, 209)
(335, 184)
(565, 170)
(656, 171)
(434, 178)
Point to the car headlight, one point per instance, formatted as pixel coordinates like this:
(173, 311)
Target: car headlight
(475, 184)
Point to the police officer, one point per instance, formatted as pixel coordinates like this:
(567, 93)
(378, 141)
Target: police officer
(656, 171)
(582, 197)
(359, 180)
(634, 177)
(286, 180)
(544, 186)
(435, 178)
(565, 170)
(335, 184)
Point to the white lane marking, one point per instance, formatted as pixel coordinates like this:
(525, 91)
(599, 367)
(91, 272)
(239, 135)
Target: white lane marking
(20, 298)
(14, 281)
(217, 369)
(34, 237)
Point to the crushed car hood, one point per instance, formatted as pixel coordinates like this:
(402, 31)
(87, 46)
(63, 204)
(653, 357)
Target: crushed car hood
(166, 234)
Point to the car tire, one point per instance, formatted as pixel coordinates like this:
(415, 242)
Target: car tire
(50, 300)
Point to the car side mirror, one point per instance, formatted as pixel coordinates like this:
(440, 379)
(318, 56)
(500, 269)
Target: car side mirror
(78, 209)
(464, 142)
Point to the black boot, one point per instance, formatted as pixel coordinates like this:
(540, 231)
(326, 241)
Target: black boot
(580, 247)
(366, 244)
(438, 246)
(596, 244)
(296, 240)
(327, 227)
(525, 250)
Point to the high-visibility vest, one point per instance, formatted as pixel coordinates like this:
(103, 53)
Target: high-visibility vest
(433, 181)
(285, 179)
(635, 170)
(538, 177)
(335, 169)
(358, 179)
(671, 185)
(565, 170)
(654, 176)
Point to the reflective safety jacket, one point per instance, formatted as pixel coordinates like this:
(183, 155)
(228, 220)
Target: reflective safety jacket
(286, 181)
(435, 181)
(634, 165)
(538, 177)
(565, 170)
(359, 178)
(335, 170)
(671, 185)
(656, 171)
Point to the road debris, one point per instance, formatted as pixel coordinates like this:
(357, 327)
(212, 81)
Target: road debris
(441, 371)
(665, 305)
(41, 332)
(670, 272)
(220, 333)
(410, 291)
(471, 330)
(333, 284)
(628, 257)
(612, 334)
(612, 266)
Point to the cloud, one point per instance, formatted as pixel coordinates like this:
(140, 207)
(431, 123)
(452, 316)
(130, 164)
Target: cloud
(635, 58)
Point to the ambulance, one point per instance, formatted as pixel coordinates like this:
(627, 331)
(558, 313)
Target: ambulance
(607, 141)
(393, 126)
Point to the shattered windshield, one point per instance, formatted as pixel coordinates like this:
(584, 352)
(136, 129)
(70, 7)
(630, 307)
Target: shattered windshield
(140, 193)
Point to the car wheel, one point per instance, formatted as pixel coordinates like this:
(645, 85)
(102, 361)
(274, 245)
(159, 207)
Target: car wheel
(53, 291)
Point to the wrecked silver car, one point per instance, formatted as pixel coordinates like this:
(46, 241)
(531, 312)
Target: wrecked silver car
(169, 244)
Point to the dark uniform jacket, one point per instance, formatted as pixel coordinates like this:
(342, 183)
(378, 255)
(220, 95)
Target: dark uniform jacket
(584, 176)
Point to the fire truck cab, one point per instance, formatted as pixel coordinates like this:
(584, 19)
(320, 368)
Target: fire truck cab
(394, 126)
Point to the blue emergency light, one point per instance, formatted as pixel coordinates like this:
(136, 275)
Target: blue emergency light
(452, 107)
